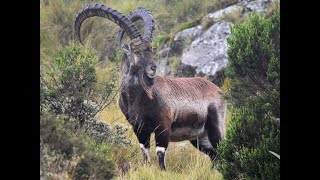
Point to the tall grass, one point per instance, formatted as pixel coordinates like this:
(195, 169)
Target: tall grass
(182, 159)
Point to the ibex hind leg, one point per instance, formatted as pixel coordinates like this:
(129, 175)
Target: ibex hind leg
(215, 129)
(203, 144)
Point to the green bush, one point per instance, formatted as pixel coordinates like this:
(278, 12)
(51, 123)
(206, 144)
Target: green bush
(254, 127)
(92, 166)
(69, 85)
(60, 139)
(64, 151)
(71, 96)
(254, 60)
(245, 152)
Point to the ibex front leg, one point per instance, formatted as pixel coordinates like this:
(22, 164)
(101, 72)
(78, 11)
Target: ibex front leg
(144, 140)
(162, 136)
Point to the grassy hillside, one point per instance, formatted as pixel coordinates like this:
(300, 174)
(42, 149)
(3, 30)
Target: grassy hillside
(56, 31)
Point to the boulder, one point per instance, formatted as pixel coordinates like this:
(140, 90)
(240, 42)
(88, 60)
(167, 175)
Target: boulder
(207, 54)
(204, 52)
(190, 33)
(223, 12)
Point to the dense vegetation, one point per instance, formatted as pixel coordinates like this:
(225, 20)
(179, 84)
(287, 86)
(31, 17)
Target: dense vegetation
(69, 85)
(84, 135)
(65, 154)
(254, 129)
(73, 142)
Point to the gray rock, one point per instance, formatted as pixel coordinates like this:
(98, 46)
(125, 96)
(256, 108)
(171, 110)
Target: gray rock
(166, 52)
(182, 38)
(260, 6)
(223, 12)
(190, 33)
(164, 68)
(207, 54)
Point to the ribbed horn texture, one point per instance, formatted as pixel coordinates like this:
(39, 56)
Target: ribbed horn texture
(106, 12)
(141, 14)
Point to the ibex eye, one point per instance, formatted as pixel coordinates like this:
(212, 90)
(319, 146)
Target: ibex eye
(138, 52)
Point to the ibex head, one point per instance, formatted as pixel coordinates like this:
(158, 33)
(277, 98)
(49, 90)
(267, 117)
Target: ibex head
(140, 56)
(138, 53)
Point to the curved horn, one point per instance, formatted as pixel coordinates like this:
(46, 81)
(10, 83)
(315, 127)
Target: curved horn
(109, 13)
(145, 15)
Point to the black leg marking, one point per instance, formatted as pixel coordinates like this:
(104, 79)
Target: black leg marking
(161, 157)
(162, 140)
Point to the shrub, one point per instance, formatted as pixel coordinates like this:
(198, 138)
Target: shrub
(245, 152)
(92, 166)
(254, 127)
(254, 59)
(59, 138)
(63, 151)
(70, 90)
(69, 85)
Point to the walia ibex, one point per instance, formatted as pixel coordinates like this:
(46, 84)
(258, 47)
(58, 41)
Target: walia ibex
(175, 109)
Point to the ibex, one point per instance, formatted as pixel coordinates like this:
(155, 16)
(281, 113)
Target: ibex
(175, 109)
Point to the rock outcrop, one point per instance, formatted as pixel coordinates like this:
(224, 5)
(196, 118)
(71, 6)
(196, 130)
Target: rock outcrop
(204, 51)
(208, 52)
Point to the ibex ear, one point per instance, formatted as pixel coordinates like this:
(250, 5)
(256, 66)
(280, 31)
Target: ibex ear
(126, 49)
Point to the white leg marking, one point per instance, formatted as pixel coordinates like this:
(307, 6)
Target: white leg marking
(146, 152)
(163, 150)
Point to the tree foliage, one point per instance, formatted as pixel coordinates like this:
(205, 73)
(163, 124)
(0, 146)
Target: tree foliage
(254, 127)
(254, 60)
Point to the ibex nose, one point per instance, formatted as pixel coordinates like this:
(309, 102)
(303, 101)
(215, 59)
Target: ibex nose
(153, 67)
